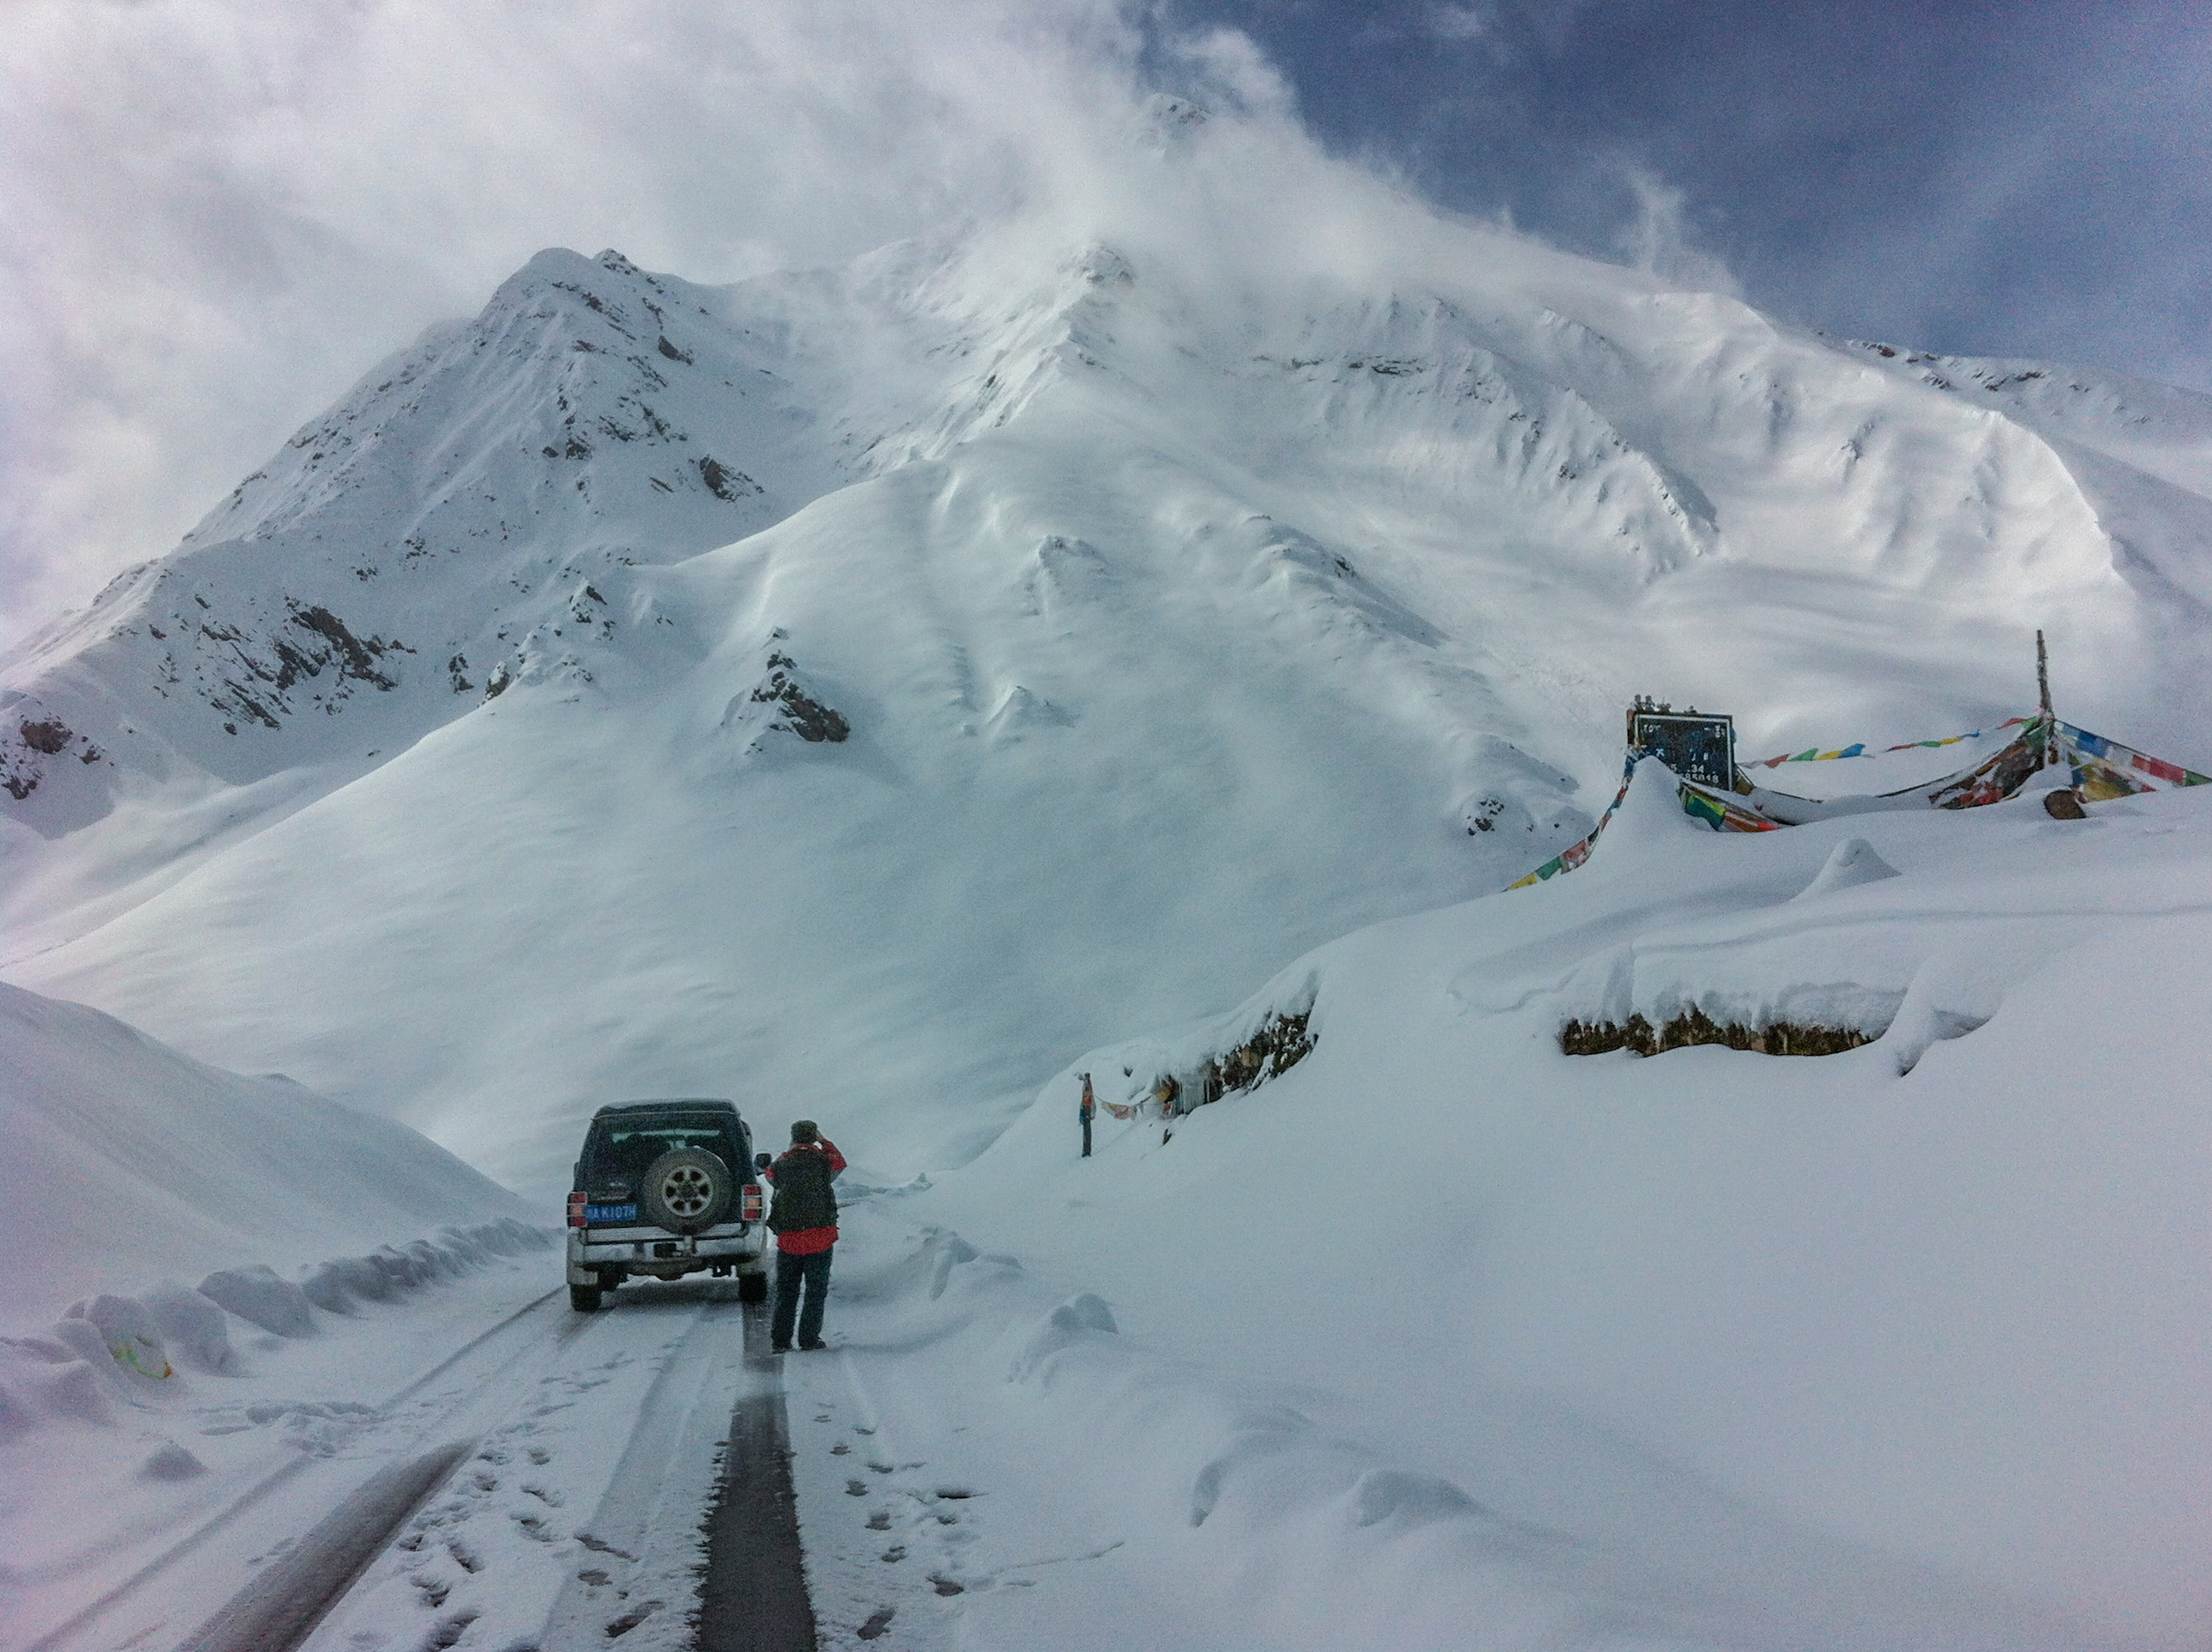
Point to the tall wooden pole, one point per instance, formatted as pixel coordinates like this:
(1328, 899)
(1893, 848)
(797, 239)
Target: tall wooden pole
(2042, 702)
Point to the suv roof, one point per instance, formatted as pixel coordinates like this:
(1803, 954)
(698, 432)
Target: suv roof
(697, 1103)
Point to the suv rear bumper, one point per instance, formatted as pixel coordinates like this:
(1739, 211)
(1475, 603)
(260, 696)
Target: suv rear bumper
(652, 1253)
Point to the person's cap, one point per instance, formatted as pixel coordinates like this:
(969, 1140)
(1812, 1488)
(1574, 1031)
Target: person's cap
(805, 1130)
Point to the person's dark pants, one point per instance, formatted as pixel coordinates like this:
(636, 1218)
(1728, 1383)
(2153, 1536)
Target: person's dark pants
(790, 1271)
(1086, 1139)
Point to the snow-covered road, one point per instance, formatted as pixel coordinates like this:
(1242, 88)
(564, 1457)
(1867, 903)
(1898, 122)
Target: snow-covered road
(981, 1460)
(573, 1463)
(977, 1462)
(594, 1451)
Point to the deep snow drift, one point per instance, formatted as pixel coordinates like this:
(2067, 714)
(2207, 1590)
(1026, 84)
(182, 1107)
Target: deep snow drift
(213, 1229)
(1898, 1347)
(126, 1160)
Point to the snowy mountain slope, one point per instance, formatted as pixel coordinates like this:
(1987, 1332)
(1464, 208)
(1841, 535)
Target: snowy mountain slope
(1042, 709)
(2161, 429)
(127, 1159)
(481, 479)
(1119, 612)
(2141, 452)
(1896, 1347)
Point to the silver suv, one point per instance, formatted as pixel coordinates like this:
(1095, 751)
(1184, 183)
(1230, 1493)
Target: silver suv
(663, 1189)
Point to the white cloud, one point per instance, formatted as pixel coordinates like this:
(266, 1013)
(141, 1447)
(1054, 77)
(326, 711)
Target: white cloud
(1449, 22)
(221, 212)
(1232, 68)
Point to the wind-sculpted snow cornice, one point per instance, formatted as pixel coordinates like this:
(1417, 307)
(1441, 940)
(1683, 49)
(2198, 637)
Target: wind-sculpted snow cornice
(2162, 430)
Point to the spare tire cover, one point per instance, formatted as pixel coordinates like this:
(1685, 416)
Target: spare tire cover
(686, 1190)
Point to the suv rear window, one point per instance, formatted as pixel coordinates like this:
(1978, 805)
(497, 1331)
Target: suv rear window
(620, 1150)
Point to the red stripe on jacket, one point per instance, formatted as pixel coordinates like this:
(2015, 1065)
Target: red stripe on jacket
(810, 1241)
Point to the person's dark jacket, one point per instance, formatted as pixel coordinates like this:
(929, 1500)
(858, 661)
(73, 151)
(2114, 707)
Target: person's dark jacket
(804, 1197)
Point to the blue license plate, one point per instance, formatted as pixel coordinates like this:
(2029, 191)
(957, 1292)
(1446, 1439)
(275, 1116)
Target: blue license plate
(604, 1213)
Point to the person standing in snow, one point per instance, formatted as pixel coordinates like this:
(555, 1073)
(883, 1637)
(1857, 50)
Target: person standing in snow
(804, 1219)
(1087, 1111)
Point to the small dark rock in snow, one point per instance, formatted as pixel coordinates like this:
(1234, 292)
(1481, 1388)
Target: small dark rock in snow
(803, 715)
(48, 737)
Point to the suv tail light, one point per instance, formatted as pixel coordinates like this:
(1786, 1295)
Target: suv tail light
(576, 1210)
(749, 1206)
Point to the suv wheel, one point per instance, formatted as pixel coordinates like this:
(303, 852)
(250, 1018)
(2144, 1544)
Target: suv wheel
(752, 1287)
(584, 1299)
(686, 1190)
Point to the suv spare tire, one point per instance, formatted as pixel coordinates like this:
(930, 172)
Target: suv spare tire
(686, 1190)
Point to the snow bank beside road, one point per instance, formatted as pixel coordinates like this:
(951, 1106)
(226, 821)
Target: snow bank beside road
(1894, 1347)
(128, 1161)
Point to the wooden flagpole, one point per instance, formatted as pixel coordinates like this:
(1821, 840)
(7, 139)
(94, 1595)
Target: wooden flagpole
(2042, 702)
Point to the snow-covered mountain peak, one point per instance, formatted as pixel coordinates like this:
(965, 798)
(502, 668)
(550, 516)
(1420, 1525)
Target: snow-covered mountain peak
(570, 355)
(1091, 587)
(1168, 122)
(447, 517)
(452, 512)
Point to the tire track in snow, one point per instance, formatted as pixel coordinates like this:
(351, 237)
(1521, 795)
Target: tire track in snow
(754, 1596)
(644, 1537)
(232, 1513)
(280, 1606)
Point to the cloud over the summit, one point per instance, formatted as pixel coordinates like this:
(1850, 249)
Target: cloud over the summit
(220, 213)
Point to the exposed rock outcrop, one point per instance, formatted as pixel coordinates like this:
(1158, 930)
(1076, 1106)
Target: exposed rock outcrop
(794, 710)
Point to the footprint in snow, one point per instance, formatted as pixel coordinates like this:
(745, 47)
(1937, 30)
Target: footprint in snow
(449, 1631)
(880, 1520)
(631, 1619)
(839, 1449)
(856, 1488)
(898, 1551)
(878, 1621)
